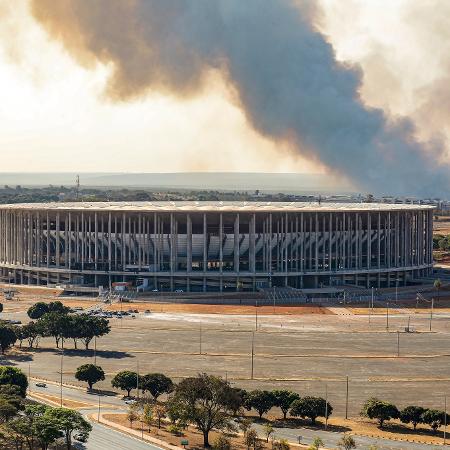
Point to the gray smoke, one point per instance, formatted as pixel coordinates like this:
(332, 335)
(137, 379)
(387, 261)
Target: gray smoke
(285, 74)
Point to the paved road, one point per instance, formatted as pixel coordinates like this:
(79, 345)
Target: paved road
(101, 437)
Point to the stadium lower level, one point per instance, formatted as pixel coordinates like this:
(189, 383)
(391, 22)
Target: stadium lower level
(216, 246)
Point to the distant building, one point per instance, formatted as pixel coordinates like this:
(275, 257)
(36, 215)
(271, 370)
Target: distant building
(216, 246)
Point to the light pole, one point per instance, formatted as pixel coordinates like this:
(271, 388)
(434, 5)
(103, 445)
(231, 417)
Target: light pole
(387, 316)
(98, 413)
(431, 312)
(200, 341)
(346, 400)
(253, 354)
(61, 378)
(398, 343)
(137, 379)
(256, 315)
(95, 350)
(326, 406)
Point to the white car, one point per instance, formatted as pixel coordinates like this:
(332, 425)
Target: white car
(130, 402)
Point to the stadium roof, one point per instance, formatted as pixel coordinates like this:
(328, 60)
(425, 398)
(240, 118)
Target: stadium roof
(215, 206)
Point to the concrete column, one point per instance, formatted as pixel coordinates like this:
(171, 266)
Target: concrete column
(189, 243)
(251, 255)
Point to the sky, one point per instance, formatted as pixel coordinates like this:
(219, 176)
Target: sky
(56, 114)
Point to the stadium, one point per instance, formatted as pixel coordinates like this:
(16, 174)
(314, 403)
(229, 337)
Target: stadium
(216, 246)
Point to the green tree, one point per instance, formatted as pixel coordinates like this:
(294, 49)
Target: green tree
(7, 338)
(434, 418)
(68, 422)
(204, 401)
(412, 414)
(32, 332)
(251, 438)
(284, 400)
(268, 430)
(56, 325)
(37, 310)
(156, 384)
(7, 410)
(160, 413)
(125, 380)
(437, 285)
(46, 430)
(260, 401)
(346, 442)
(12, 376)
(133, 414)
(90, 373)
(282, 444)
(380, 410)
(58, 307)
(91, 327)
(147, 415)
(311, 407)
(316, 444)
(222, 443)
(20, 334)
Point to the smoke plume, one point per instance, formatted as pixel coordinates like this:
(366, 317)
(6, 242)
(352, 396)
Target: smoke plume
(283, 71)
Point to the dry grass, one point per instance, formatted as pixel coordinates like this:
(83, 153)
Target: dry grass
(55, 401)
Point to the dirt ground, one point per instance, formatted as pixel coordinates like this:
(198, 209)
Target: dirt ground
(194, 437)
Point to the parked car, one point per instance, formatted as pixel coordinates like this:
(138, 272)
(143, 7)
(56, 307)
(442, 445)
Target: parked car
(130, 402)
(147, 311)
(80, 437)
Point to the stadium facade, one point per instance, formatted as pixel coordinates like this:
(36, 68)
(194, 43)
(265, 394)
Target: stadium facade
(216, 246)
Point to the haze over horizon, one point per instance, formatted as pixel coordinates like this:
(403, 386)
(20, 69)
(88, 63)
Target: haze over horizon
(355, 102)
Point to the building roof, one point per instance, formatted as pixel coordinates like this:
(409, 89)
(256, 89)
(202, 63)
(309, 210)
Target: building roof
(215, 206)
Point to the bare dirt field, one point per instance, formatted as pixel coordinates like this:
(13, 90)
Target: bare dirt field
(304, 349)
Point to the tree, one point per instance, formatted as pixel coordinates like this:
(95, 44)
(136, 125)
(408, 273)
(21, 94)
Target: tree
(56, 325)
(37, 310)
(260, 401)
(147, 415)
(282, 444)
(32, 332)
(91, 326)
(156, 384)
(251, 438)
(160, 412)
(380, 410)
(58, 307)
(46, 430)
(7, 410)
(316, 444)
(7, 338)
(434, 418)
(412, 414)
(90, 373)
(20, 334)
(284, 400)
(132, 414)
(222, 443)
(204, 401)
(347, 442)
(311, 407)
(437, 285)
(125, 380)
(68, 421)
(12, 376)
(268, 431)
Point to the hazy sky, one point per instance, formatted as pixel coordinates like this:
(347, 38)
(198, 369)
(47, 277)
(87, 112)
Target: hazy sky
(54, 115)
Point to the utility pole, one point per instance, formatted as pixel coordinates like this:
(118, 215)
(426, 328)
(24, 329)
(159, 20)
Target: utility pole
(137, 378)
(431, 312)
(200, 341)
(387, 316)
(61, 378)
(256, 315)
(98, 413)
(346, 400)
(445, 419)
(398, 343)
(253, 353)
